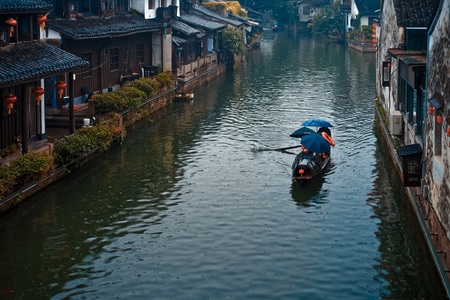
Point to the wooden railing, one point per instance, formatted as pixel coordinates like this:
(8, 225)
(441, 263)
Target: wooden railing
(200, 65)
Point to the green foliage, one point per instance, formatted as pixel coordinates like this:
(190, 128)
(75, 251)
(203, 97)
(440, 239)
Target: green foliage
(234, 40)
(32, 163)
(367, 30)
(8, 177)
(9, 150)
(164, 79)
(147, 85)
(82, 143)
(128, 97)
(25, 165)
(131, 97)
(328, 22)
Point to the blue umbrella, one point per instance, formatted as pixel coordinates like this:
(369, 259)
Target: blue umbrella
(317, 123)
(301, 132)
(316, 143)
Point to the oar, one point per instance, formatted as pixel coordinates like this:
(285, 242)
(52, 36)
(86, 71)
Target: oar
(286, 148)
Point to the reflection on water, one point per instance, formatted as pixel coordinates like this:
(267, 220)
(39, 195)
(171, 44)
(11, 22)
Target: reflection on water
(187, 208)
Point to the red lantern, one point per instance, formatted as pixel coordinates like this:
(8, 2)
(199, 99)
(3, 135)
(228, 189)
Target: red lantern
(439, 119)
(9, 99)
(12, 23)
(448, 132)
(60, 86)
(38, 92)
(41, 20)
(431, 110)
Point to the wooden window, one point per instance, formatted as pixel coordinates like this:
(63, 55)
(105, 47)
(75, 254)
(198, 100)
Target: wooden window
(114, 58)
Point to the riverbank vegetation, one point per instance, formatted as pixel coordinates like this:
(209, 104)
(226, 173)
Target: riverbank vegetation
(86, 140)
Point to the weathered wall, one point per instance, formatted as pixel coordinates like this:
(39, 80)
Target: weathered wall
(437, 165)
(388, 37)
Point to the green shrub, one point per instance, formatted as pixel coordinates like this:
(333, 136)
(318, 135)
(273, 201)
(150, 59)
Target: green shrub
(132, 97)
(82, 143)
(147, 85)
(164, 79)
(107, 102)
(127, 97)
(8, 177)
(32, 164)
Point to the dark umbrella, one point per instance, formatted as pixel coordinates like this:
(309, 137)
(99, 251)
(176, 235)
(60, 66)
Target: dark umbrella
(317, 123)
(316, 143)
(301, 132)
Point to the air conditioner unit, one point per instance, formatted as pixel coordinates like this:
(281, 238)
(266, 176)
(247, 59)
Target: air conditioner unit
(395, 123)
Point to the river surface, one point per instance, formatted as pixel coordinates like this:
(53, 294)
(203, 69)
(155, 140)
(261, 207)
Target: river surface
(195, 204)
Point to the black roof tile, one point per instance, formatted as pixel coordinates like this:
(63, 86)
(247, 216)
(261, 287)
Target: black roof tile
(24, 5)
(203, 10)
(183, 27)
(28, 61)
(95, 27)
(414, 13)
(202, 23)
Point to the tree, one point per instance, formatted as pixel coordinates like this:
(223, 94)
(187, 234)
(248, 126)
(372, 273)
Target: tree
(234, 40)
(328, 22)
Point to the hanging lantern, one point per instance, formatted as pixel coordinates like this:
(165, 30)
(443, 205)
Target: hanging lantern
(439, 119)
(12, 23)
(431, 110)
(448, 132)
(60, 86)
(41, 20)
(9, 99)
(38, 92)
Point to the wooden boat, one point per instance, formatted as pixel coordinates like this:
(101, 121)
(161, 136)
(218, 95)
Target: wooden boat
(184, 97)
(309, 164)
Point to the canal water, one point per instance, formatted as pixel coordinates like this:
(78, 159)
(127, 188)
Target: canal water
(195, 204)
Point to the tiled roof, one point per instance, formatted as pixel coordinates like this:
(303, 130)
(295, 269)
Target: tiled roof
(216, 16)
(183, 27)
(24, 5)
(202, 23)
(28, 61)
(177, 40)
(414, 13)
(368, 7)
(95, 27)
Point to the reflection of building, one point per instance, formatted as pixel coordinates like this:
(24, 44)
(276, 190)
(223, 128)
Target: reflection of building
(28, 62)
